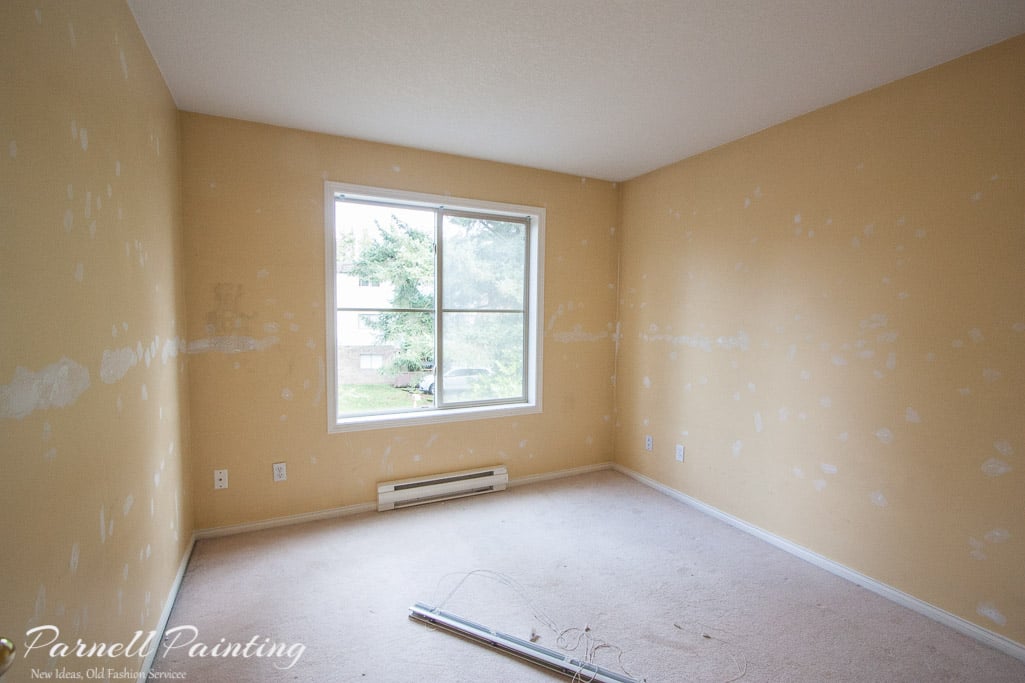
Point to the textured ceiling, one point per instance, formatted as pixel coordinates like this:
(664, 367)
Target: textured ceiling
(601, 88)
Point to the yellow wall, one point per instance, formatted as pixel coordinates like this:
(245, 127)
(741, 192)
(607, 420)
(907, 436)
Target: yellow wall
(95, 512)
(253, 199)
(830, 316)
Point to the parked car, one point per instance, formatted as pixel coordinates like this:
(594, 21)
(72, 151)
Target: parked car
(457, 379)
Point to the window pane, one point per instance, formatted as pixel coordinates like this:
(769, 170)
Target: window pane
(381, 362)
(484, 263)
(385, 256)
(483, 356)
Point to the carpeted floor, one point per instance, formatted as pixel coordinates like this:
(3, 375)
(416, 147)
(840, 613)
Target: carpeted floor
(597, 564)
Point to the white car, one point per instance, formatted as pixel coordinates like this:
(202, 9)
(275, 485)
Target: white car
(457, 379)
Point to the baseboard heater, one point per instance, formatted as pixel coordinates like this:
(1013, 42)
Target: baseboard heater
(408, 492)
(517, 647)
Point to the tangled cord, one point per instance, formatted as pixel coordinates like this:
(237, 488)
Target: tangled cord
(568, 639)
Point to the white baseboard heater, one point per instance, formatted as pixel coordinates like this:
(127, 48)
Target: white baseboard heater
(420, 490)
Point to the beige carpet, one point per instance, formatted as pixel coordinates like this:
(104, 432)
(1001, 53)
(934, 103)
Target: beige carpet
(626, 576)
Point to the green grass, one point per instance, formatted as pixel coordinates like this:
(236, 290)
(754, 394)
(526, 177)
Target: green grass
(358, 398)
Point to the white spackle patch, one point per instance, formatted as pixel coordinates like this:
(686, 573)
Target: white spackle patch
(231, 344)
(55, 386)
(747, 202)
(805, 375)
(819, 484)
(578, 334)
(737, 447)
(869, 229)
(976, 196)
(911, 415)
(646, 382)
(262, 274)
(828, 469)
(878, 499)
(797, 218)
(759, 425)
(751, 387)
(826, 402)
(798, 472)
(991, 375)
(271, 328)
(998, 535)
(79, 271)
(903, 296)
(103, 525)
(73, 563)
(144, 393)
(843, 436)
(286, 394)
(995, 468)
(124, 63)
(957, 344)
(977, 552)
(989, 610)
(975, 334)
(856, 242)
(83, 138)
(965, 391)
(523, 443)
(784, 413)
(311, 344)
(884, 435)
(1004, 448)
(116, 362)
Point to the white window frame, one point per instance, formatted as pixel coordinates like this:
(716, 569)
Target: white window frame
(535, 302)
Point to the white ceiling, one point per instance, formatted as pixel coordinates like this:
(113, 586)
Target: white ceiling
(602, 88)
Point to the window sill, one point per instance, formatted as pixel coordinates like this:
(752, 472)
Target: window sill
(430, 417)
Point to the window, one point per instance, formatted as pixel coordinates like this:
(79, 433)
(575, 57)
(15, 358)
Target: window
(371, 361)
(434, 308)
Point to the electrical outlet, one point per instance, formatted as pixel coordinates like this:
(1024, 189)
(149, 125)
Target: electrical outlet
(220, 479)
(649, 443)
(280, 473)
(679, 452)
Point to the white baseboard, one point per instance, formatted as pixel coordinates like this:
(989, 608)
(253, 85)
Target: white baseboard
(165, 615)
(288, 520)
(560, 474)
(972, 630)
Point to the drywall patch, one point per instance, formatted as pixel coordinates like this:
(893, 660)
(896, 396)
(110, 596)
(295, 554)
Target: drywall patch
(995, 468)
(116, 363)
(759, 424)
(55, 386)
(578, 334)
(998, 535)
(1004, 448)
(911, 415)
(878, 499)
(989, 610)
(829, 469)
(231, 343)
(884, 435)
